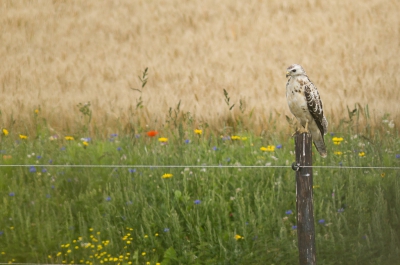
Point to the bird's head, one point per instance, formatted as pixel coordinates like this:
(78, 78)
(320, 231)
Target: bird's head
(294, 70)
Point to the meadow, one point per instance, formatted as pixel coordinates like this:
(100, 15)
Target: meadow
(185, 196)
(157, 132)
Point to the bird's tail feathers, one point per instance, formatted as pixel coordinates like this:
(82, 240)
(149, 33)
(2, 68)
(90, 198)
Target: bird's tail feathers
(321, 148)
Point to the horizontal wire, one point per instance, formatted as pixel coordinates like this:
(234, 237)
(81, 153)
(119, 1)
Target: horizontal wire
(200, 166)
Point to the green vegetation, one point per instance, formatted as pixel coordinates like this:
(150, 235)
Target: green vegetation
(53, 211)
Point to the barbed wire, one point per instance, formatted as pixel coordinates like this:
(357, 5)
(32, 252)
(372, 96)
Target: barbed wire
(198, 166)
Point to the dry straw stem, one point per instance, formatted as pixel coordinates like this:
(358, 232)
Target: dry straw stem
(57, 54)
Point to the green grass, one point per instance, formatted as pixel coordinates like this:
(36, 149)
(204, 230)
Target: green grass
(131, 214)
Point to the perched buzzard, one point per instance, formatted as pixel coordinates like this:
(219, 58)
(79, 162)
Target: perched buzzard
(305, 104)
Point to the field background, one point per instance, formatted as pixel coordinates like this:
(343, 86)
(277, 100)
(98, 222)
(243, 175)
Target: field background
(57, 54)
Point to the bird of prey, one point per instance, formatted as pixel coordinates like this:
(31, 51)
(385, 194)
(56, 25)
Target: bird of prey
(306, 105)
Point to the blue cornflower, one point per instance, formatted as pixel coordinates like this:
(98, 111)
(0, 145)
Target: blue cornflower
(12, 194)
(50, 161)
(137, 135)
(48, 195)
(322, 221)
(187, 141)
(279, 146)
(398, 156)
(341, 163)
(289, 212)
(62, 148)
(44, 170)
(113, 135)
(53, 187)
(294, 227)
(119, 148)
(215, 148)
(132, 170)
(197, 202)
(32, 169)
(341, 210)
(129, 202)
(228, 159)
(108, 198)
(1, 233)
(332, 134)
(166, 230)
(39, 157)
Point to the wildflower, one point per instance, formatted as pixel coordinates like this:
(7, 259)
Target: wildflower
(12, 227)
(187, 141)
(85, 143)
(167, 175)
(86, 139)
(383, 174)
(322, 221)
(132, 170)
(11, 194)
(197, 202)
(289, 212)
(5, 157)
(398, 156)
(197, 131)
(163, 140)
(143, 253)
(338, 153)
(108, 198)
(237, 237)
(156, 234)
(69, 138)
(23, 137)
(166, 230)
(91, 229)
(235, 137)
(32, 169)
(337, 140)
(243, 138)
(151, 133)
(36, 111)
(119, 148)
(341, 210)
(5, 132)
(215, 148)
(279, 146)
(146, 236)
(1, 233)
(315, 186)
(269, 148)
(294, 227)
(361, 154)
(113, 135)
(224, 138)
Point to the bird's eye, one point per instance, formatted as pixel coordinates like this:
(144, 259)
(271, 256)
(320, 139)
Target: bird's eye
(294, 70)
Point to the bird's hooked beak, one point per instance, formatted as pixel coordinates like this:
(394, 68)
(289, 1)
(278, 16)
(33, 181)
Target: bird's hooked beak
(287, 74)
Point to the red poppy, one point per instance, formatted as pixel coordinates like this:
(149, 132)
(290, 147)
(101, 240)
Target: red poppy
(152, 133)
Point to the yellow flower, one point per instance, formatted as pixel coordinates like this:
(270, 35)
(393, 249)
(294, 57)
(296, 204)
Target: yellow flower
(237, 237)
(3, 253)
(5, 132)
(12, 227)
(235, 137)
(156, 234)
(337, 140)
(244, 138)
(23, 137)
(158, 263)
(338, 153)
(148, 263)
(143, 253)
(269, 148)
(197, 131)
(76, 247)
(315, 186)
(128, 242)
(383, 174)
(58, 254)
(361, 154)
(163, 139)
(85, 143)
(167, 175)
(68, 251)
(146, 236)
(90, 229)
(69, 138)
(36, 111)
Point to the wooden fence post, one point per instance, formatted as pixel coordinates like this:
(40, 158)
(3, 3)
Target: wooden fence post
(304, 199)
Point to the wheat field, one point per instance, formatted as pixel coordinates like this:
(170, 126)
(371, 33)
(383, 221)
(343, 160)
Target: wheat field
(57, 54)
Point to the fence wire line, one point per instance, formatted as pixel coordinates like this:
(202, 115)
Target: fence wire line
(198, 166)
